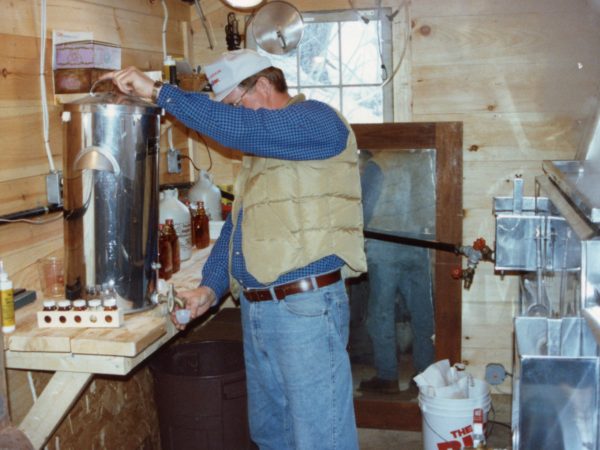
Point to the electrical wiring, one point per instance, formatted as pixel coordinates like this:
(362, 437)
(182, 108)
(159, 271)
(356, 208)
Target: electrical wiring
(191, 161)
(207, 151)
(34, 222)
(164, 28)
(44, 99)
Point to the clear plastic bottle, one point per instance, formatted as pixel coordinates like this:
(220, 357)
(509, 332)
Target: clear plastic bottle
(6, 301)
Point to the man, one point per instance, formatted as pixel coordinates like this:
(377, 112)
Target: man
(399, 197)
(296, 225)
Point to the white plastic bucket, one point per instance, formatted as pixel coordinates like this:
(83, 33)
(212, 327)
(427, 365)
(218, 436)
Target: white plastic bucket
(448, 422)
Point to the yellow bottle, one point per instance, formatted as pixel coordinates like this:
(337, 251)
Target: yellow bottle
(6, 301)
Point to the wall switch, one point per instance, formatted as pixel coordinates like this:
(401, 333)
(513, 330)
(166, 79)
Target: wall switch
(54, 182)
(173, 161)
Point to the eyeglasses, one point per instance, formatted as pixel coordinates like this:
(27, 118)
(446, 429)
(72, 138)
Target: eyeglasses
(238, 102)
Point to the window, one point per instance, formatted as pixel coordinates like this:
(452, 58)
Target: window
(339, 61)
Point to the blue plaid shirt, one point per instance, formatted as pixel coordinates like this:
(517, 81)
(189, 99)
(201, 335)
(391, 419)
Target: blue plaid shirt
(306, 130)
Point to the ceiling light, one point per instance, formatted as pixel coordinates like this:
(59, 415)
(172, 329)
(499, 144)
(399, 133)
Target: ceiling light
(242, 4)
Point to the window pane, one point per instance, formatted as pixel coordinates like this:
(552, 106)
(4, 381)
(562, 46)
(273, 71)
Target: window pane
(363, 104)
(331, 96)
(360, 53)
(319, 54)
(287, 63)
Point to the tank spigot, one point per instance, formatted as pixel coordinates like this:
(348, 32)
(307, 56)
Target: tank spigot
(171, 299)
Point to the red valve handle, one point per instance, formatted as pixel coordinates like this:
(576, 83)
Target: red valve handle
(479, 244)
(457, 273)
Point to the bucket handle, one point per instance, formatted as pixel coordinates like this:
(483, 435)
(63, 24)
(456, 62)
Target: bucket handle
(96, 158)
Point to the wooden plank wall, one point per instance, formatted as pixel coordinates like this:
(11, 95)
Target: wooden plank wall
(523, 89)
(136, 26)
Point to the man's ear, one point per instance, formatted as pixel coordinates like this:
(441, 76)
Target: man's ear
(263, 85)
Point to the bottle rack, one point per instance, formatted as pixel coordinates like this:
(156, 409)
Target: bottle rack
(81, 319)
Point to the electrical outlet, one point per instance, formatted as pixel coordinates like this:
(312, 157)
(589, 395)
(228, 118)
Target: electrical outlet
(173, 161)
(54, 183)
(495, 373)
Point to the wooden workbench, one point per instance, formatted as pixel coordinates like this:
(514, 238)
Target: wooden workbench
(76, 354)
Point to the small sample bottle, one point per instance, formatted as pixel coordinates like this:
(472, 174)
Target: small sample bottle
(64, 305)
(95, 304)
(49, 305)
(110, 304)
(169, 229)
(79, 305)
(165, 254)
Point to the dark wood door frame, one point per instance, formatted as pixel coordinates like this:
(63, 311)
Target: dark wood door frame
(446, 139)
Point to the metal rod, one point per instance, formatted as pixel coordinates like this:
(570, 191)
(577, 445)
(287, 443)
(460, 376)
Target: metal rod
(443, 246)
(28, 213)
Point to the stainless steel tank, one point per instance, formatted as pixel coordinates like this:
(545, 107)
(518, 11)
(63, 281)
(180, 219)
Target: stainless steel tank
(110, 171)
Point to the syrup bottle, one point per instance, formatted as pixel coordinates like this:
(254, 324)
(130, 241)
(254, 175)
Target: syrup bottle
(165, 254)
(169, 230)
(201, 227)
(193, 213)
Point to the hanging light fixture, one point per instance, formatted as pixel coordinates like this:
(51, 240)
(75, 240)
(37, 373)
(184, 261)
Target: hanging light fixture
(277, 27)
(242, 4)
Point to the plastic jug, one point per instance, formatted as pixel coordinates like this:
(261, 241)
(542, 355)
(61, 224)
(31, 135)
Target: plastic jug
(204, 190)
(171, 208)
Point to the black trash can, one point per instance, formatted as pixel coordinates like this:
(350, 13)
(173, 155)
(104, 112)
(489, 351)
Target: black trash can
(200, 391)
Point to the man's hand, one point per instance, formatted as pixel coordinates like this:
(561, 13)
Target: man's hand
(131, 81)
(198, 301)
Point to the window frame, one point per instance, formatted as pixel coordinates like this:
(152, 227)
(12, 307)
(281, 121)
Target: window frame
(350, 15)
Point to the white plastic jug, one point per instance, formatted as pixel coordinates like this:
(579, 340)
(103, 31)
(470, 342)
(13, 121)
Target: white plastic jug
(170, 207)
(205, 191)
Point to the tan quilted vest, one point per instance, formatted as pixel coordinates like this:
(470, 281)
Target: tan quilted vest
(296, 212)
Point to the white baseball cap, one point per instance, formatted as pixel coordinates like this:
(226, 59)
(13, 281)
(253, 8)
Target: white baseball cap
(231, 68)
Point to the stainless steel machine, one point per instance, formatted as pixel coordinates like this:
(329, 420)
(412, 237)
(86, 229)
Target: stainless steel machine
(111, 186)
(552, 242)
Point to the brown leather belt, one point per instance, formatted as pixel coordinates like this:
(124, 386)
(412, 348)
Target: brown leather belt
(294, 287)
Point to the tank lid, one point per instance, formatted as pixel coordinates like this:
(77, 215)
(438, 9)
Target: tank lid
(113, 101)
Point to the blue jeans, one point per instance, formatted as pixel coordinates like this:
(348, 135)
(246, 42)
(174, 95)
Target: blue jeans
(399, 270)
(298, 371)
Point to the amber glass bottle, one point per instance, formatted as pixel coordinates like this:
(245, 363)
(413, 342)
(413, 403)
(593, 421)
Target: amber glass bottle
(174, 240)
(165, 254)
(201, 227)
